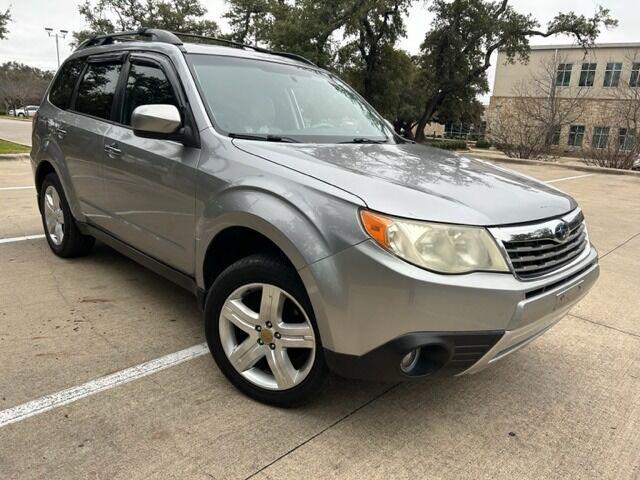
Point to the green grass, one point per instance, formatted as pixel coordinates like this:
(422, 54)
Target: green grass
(10, 147)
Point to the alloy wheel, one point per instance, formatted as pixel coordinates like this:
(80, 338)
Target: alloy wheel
(267, 336)
(53, 215)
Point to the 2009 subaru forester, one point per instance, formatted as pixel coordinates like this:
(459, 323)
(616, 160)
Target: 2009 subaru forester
(313, 236)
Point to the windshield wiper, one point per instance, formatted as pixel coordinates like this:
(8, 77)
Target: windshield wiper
(267, 137)
(366, 140)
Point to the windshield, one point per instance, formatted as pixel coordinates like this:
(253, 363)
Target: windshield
(277, 101)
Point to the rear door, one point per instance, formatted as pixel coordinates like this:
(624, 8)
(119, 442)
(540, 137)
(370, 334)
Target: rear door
(150, 182)
(87, 122)
(53, 126)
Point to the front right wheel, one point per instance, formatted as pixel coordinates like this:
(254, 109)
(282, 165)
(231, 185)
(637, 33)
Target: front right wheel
(262, 333)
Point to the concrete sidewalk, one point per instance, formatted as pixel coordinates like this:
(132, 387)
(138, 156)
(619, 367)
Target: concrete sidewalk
(566, 406)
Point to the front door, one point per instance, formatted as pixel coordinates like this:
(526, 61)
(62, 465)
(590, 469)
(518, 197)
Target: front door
(150, 183)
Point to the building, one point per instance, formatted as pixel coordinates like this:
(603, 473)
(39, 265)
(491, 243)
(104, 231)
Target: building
(587, 99)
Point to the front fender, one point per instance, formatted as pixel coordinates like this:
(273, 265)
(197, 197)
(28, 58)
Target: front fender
(298, 226)
(307, 229)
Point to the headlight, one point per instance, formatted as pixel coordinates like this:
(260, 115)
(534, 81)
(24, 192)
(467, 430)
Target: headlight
(436, 246)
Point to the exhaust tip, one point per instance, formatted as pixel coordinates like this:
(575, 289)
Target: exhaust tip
(410, 360)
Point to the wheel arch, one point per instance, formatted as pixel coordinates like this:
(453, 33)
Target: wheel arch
(287, 227)
(305, 225)
(44, 168)
(47, 165)
(261, 236)
(263, 240)
(235, 242)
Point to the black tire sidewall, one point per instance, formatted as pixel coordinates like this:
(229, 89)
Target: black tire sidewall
(268, 270)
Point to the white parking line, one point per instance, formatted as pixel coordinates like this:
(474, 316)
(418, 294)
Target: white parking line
(570, 178)
(20, 239)
(28, 187)
(64, 397)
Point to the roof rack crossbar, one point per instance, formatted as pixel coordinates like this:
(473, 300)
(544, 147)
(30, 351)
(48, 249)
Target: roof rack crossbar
(153, 34)
(255, 48)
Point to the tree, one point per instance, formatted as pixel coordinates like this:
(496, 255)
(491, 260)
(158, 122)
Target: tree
(527, 124)
(395, 83)
(248, 19)
(376, 28)
(305, 27)
(5, 18)
(108, 16)
(21, 84)
(364, 54)
(308, 28)
(457, 51)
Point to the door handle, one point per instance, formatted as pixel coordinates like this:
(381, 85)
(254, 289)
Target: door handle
(60, 132)
(113, 150)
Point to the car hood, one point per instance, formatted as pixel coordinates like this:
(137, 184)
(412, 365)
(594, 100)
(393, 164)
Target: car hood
(420, 182)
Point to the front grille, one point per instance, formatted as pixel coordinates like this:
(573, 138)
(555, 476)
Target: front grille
(540, 252)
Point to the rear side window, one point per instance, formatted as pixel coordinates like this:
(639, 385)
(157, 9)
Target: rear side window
(146, 85)
(62, 89)
(97, 89)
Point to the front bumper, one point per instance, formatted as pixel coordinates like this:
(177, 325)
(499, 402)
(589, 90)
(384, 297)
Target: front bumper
(539, 313)
(372, 308)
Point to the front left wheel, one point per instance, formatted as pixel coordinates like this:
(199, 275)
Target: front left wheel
(262, 333)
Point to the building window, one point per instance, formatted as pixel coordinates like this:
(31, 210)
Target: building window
(588, 74)
(563, 78)
(634, 81)
(555, 138)
(612, 74)
(576, 135)
(627, 138)
(600, 137)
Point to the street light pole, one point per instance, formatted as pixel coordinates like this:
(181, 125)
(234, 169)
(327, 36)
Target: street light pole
(59, 33)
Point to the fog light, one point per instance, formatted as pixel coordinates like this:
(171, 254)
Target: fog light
(409, 361)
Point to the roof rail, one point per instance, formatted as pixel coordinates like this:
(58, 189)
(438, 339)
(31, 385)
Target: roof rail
(153, 34)
(255, 48)
(173, 38)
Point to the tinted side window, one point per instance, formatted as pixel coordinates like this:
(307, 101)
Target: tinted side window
(146, 85)
(62, 89)
(97, 89)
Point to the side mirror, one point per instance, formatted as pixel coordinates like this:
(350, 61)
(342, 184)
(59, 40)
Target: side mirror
(159, 119)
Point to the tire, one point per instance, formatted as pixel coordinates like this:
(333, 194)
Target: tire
(68, 241)
(246, 281)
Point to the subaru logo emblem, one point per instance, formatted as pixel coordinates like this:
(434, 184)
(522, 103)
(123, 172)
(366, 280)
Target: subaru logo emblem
(561, 232)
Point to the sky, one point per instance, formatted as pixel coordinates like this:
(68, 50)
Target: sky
(28, 42)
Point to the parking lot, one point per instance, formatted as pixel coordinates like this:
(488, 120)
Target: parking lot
(567, 405)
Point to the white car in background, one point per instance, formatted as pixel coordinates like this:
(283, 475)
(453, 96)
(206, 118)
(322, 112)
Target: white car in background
(26, 111)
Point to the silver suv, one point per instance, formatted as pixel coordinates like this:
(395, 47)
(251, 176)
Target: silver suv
(314, 238)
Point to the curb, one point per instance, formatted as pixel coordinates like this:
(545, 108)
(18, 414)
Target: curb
(14, 156)
(581, 168)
